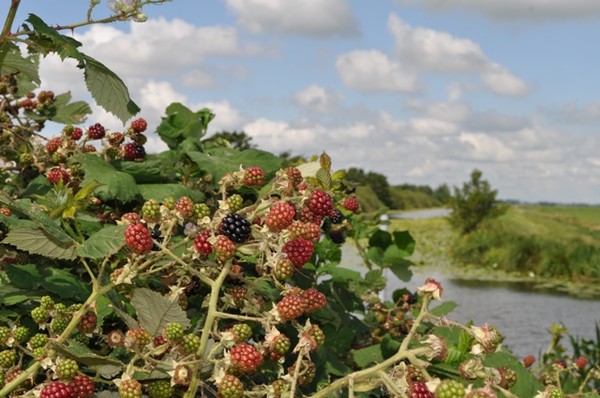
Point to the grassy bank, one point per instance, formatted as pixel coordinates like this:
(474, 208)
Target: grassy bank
(557, 246)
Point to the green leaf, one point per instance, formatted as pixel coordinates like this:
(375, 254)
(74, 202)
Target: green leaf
(402, 270)
(375, 279)
(40, 242)
(42, 219)
(335, 366)
(527, 385)
(153, 169)
(12, 61)
(328, 252)
(64, 46)
(84, 355)
(339, 274)
(103, 243)
(368, 355)
(444, 308)
(381, 239)
(66, 285)
(69, 113)
(389, 346)
(220, 161)
(162, 191)
(154, 311)
(25, 276)
(405, 242)
(182, 124)
(12, 298)
(324, 178)
(115, 184)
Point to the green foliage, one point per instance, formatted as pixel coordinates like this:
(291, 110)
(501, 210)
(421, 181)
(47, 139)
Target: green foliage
(472, 204)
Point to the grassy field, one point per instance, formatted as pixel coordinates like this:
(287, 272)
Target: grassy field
(555, 245)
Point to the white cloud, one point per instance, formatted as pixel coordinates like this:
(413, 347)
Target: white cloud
(502, 82)
(511, 9)
(307, 18)
(484, 147)
(430, 126)
(372, 70)
(317, 98)
(430, 50)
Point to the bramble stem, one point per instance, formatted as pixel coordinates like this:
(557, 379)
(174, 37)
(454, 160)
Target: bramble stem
(208, 325)
(10, 18)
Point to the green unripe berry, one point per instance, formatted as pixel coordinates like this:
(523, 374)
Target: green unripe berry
(7, 358)
(190, 343)
(174, 331)
(21, 334)
(38, 340)
(67, 368)
(46, 302)
(235, 202)
(201, 210)
(160, 389)
(40, 315)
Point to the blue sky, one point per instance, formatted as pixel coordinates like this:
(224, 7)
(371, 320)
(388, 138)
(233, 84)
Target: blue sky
(421, 91)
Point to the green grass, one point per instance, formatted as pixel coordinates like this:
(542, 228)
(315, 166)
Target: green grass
(557, 246)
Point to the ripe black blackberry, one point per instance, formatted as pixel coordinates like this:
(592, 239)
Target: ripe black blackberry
(133, 151)
(235, 227)
(336, 216)
(337, 236)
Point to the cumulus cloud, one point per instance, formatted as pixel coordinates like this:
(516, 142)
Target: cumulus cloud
(432, 51)
(317, 98)
(316, 18)
(511, 9)
(372, 70)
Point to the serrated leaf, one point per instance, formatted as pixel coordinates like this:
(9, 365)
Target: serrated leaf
(220, 161)
(66, 285)
(381, 239)
(12, 61)
(368, 355)
(69, 113)
(24, 276)
(64, 46)
(154, 311)
(402, 270)
(444, 308)
(154, 169)
(527, 385)
(40, 242)
(42, 219)
(404, 241)
(162, 191)
(338, 175)
(103, 243)
(115, 184)
(325, 162)
(108, 90)
(324, 178)
(183, 124)
(84, 355)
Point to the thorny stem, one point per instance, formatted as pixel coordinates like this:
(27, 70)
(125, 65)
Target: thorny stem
(10, 18)
(208, 325)
(296, 375)
(35, 367)
(403, 353)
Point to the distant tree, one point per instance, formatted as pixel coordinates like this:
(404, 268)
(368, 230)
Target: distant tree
(473, 203)
(442, 194)
(237, 139)
(378, 182)
(288, 159)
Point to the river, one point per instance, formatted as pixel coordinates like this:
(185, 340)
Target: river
(521, 313)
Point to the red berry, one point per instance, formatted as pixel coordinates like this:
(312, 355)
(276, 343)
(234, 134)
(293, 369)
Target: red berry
(139, 125)
(185, 206)
(418, 389)
(224, 248)
(254, 176)
(77, 133)
(528, 361)
(306, 215)
(314, 299)
(291, 307)
(294, 175)
(320, 202)
(298, 251)
(53, 145)
(5, 211)
(284, 269)
(96, 131)
(57, 175)
(306, 230)
(351, 203)
(201, 243)
(116, 139)
(87, 323)
(82, 386)
(130, 388)
(581, 362)
(280, 216)
(245, 358)
(133, 151)
(138, 238)
(57, 389)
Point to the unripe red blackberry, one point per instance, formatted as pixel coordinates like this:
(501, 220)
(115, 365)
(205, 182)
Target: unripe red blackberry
(53, 145)
(298, 251)
(185, 206)
(87, 323)
(57, 389)
(245, 358)
(134, 151)
(58, 175)
(291, 307)
(238, 295)
(96, 131)
(280, 216)
(254, 176)
(294, 176)
(82, 386)
(137, 338)
(139, 125)
(116, 138)
(418, 389)
(307, 230)
(352, 204)
(224, 248)
(77, 133)
(314, 299)
(138, 238)
(201, 243)
(320, 203)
